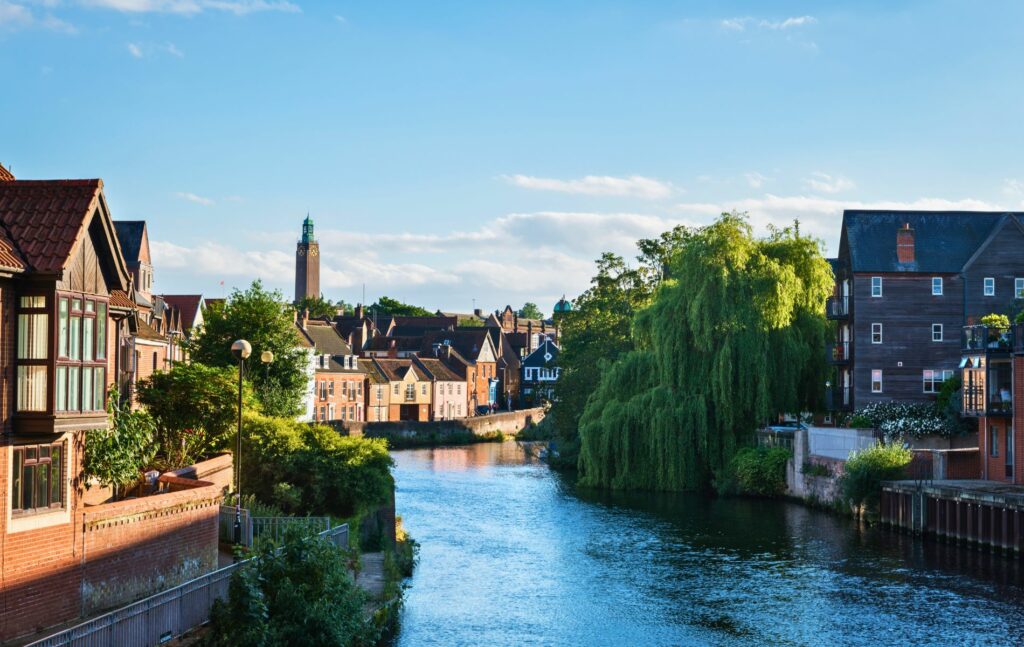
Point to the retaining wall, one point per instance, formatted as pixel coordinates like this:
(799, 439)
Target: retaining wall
(438, 431)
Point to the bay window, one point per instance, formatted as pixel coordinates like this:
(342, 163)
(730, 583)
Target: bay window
(81, 375)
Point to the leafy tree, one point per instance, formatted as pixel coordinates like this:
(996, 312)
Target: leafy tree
(758, 471)
(317, 307)
(395, 308)
(263, 319)
(300, 593)
(865, 470)
(732, 340)
(116, 456)
(530, 311)
(195, 407)
(312, 469)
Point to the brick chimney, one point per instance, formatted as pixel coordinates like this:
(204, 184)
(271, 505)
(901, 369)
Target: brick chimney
(905, 244)
(359, 311)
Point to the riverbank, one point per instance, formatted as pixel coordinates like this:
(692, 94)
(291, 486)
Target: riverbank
(409, 434)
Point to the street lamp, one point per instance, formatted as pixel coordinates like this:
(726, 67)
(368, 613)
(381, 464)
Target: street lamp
(241, 349)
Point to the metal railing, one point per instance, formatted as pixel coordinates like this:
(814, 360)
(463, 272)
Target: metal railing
(254, 528)
(164, 616)
(837, 307)
(986, 338)
(838, 352)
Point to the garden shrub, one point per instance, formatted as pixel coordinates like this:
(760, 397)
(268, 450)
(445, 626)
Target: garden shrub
(867, 468)
(299, 594)
(908, 420)
(760, 471)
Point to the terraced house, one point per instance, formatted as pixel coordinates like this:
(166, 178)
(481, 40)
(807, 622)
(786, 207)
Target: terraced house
(906, 282)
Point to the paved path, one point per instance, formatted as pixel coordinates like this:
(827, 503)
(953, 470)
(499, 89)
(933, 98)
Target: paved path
(371, 577)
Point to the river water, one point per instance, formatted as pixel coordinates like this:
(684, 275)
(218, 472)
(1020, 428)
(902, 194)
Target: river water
(513, 554)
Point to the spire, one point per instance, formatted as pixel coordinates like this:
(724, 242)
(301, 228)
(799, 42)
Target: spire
(307, 230)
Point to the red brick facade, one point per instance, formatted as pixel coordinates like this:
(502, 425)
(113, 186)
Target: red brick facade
(995, 432)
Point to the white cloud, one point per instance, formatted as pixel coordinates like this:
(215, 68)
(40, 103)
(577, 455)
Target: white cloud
(15, 16)
(755, 179)
(826, 183)
(1013, 187)
(173, 51)
(735, 24)
(788, 23)
(192, 197)
(604, 185)
(134, 50)
(191, 7)
(142, 50)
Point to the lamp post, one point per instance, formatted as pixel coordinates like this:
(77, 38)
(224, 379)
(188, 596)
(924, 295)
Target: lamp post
(241, 349)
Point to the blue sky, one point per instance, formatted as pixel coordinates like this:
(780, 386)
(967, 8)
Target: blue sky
(451, 151)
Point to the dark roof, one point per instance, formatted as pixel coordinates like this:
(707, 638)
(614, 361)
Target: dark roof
(147, 331)
(45, 218)
(943, 240)
(326, 339)
(401, 343)
(187, 304)
(10, 259)
(334, 365)
(346, 325)
(395, 369)
(373, 373)
(129, 235)
(441, 322)
(536, 358)
(437, 370)
(467, 341)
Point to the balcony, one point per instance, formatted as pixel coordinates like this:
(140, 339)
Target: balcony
(839, 398)
(986, 339)
(838, 353)
(987, 388)
(837, 308)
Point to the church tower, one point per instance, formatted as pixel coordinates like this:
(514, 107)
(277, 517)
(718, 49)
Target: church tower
(307, 263)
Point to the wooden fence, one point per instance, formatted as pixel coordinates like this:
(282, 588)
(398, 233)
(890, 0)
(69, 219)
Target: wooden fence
(164, 616)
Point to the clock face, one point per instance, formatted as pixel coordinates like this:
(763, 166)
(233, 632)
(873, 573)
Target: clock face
(313, 252)
(302, 252)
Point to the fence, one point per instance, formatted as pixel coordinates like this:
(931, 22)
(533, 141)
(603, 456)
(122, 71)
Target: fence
(166, 615)
(267, 527)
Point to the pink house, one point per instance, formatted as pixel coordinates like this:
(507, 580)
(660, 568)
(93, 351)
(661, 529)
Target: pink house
(450, 399)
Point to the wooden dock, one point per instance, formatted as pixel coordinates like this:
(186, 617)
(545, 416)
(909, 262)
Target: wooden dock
(987, 514)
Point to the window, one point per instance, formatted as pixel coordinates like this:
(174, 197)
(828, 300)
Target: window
(936, 332)
(330, 388)
(380, 394)
(933, 379)
(330, 411)
(101, 330)
(449, 388)
(876, 381)
(458, 389)
(397, 387)
(410, 391)
(81, 354)
(993, 441)
(33, 340)
(876, 333)
(37, 478)
(322, 412)
(990, 286)
(937, 286)
(1018, 288)
(423, 389)
(155, 362)
(876, 286)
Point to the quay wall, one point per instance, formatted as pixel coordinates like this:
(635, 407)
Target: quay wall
(440, 432)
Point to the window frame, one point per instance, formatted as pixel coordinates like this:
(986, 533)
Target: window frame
(993, 441)
(879, 286)
(56, 488)
(85, 367)
(876, 329)
(1018, 288)
(879, 381)
(937, 282)
(988, 282)
(937, 327)
(30, 366)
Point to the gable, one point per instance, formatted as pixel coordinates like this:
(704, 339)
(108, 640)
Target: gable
(93, 265)
(1001, 249)
(486, 351)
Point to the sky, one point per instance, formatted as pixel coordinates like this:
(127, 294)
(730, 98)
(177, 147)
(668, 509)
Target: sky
(454, 154)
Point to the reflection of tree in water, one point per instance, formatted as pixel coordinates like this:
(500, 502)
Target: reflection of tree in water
(478, 456)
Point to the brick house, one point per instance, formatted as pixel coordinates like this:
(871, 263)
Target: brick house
(378, 392)
(449, 400)
(469, 353)
(508, 368)
(410, 388)
(906, 282)
(339, 377)
(65, 294)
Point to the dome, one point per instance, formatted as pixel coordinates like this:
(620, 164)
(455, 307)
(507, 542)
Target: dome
(562, 306)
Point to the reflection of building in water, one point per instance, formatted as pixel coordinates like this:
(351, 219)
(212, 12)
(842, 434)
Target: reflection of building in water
(481, 456)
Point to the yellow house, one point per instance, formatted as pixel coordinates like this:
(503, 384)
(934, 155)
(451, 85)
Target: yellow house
(410, 389)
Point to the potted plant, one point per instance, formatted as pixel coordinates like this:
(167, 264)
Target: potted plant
(999, 327)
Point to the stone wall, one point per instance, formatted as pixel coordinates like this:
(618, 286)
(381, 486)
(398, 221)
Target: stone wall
(508, 423)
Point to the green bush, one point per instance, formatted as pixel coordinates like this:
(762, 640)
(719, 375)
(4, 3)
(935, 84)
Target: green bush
(866, 469)
(115, 456)
(299, 594)
(312, 469)
(816, 469)
(760, 471)
(997, 321)
(860, 421)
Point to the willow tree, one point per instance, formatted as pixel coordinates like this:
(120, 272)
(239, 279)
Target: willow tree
(735, 336)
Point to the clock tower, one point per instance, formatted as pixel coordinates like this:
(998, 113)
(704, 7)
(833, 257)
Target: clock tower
(307, 263)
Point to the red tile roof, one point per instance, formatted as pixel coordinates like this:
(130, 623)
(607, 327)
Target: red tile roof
(187, 304)
(5, 175)
(45, 218)
(120, 299)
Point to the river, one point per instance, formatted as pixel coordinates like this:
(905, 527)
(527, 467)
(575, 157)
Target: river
(513, 553)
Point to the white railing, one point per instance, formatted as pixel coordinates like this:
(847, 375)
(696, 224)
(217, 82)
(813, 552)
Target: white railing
(254, 528)
(164, 616)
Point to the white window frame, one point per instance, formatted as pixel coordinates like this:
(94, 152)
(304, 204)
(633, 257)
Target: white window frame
(937, 327)
(878, 372)
(989, 286)
(876, 329)
(1018, 288)
(934, 378)
(879, 286)
(936, 286)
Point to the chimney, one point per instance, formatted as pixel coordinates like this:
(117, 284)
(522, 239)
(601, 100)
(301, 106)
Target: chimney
(905, 244)
(359, 311)
(478, 312)
(304, 318)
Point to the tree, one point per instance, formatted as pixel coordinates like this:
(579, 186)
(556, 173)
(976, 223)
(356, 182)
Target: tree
(530, 311)
(195, 407)
(263, 319)
(300, 593)
(317, 307)
(116, 456)
(395, 308)
(735, 338)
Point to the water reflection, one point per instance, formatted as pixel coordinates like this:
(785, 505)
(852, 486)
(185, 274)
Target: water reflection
(514, 554)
